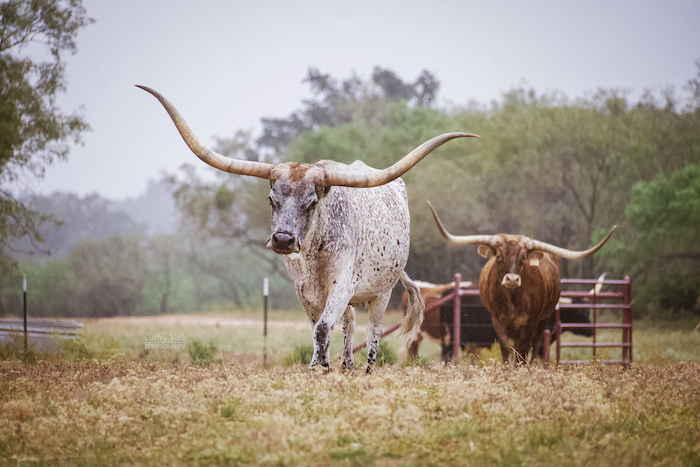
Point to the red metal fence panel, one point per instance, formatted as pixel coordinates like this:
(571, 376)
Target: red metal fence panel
(618, 296)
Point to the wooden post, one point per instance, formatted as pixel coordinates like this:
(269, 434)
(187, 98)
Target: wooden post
(457, 321)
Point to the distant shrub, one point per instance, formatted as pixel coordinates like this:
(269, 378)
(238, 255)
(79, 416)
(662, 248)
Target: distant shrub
(301, 355)
(14, 348)
(76, 349)
(670, 294)
(201, 354)
(88, 347)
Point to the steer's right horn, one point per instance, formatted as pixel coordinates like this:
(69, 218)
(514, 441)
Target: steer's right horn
(566, 253)
(381, 177)
(490, 240)
(216, 160)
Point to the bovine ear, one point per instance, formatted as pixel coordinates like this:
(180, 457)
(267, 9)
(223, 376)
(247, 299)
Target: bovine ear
(535, 254)
(485, 251)
(322, 191)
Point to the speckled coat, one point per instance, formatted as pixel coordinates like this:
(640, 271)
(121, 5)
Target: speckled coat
(354, 246)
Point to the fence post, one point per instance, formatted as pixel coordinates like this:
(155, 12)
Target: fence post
(557, 332)
(266, 293)
(457, 321)
(627, 319)
(24, 301)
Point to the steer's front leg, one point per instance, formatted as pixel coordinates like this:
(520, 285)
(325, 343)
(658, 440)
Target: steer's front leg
(336, 305)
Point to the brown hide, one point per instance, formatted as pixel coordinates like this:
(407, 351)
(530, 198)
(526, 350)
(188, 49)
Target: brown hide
(519, 313)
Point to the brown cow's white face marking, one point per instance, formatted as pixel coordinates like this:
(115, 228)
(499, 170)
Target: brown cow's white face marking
(511, 257)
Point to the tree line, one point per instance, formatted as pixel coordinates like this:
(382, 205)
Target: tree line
(557, 169)
(562, 170)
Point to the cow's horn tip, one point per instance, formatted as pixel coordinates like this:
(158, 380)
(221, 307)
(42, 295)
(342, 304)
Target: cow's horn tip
(145, 88)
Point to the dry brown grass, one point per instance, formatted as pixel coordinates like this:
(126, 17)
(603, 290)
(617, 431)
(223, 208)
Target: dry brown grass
(72, 413)
(122, 405)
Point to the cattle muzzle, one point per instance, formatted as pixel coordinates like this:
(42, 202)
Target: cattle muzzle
(283, 243)
(511, 281)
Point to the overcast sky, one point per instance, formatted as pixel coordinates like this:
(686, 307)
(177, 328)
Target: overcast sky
(226, 64)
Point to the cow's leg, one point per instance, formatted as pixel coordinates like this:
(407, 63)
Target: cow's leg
(348, 331)
(502, 335)
(376, 310)
(537, 348)
(413, 348)
(336, 304)
(522, 348)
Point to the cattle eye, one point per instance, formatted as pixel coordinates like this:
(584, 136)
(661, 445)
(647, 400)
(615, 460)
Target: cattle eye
(309, 206)
(273, 202)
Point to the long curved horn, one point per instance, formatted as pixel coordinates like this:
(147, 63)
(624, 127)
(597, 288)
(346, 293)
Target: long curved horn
(234, 166)
(490, 240)
(367, 180)
(569, 254)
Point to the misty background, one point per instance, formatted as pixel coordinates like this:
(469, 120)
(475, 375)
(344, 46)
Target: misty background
(588, 115)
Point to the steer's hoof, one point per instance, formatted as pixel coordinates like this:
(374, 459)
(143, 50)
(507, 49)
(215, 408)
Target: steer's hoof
(320, 368)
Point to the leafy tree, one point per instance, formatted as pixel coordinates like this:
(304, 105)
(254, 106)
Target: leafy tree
(662, 249)
(34, 131)
(49, 288)
(163, 251)
(559, 170)
(339, 104)
(109, 276)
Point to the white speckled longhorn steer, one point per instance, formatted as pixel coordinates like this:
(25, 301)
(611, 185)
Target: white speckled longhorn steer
(343, 246)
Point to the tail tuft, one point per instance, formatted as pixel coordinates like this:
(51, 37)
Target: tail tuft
(410, 325)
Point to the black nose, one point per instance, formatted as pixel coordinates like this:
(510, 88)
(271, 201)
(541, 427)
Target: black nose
(281, 242)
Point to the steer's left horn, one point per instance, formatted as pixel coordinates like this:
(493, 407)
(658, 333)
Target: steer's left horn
(463, 239)
(569, 254)
(216, 160)
(367, 180)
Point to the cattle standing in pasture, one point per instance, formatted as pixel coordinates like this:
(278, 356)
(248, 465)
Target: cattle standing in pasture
(477, 330)
(519, 285)
(342, 246)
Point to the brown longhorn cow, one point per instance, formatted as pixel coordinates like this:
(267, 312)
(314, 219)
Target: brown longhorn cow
(519, 285)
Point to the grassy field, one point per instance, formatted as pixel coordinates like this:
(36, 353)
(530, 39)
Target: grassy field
(108, 401)
(239, 336)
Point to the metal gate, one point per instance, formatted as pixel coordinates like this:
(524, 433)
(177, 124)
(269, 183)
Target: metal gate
(613, 305)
